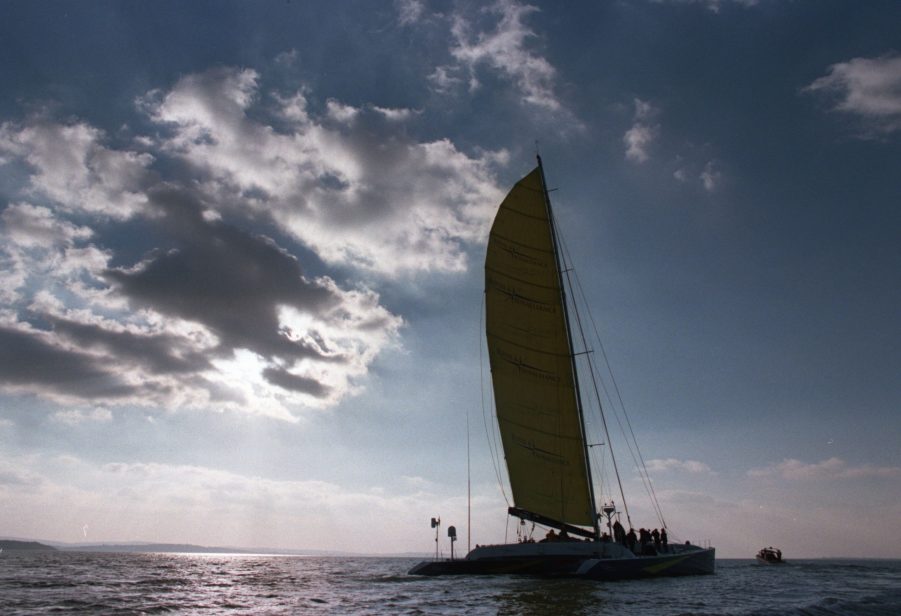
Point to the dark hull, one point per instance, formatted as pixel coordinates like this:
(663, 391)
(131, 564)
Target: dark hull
(695, 562)
(525, 565)
(698, 562)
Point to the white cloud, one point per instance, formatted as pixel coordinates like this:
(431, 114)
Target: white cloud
(394, 114)
(869, 88)
(673, 464)
(409, 11)
(341, 112)
(713, 6)
(220, 317)
(75, 170)
(207, 506)
(641, 135)
(30, 226)
(832, 468)
(117, 336)
(78, 416)
(443, 80)
(357, 194)
(711, 176)
(504, 49)
(637, 140)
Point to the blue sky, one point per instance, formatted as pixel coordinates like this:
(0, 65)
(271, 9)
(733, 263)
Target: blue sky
(240, 273)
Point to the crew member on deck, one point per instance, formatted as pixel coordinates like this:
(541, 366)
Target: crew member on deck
(619, 533)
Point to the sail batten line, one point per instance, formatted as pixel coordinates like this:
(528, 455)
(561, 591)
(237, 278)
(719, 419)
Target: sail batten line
(516, 279)
(538, 431)
(521, 213)
(510, 240)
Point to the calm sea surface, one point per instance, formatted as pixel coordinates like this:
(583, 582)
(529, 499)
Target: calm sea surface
(206, 584)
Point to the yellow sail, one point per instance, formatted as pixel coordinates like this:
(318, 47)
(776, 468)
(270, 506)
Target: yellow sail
(531, 365)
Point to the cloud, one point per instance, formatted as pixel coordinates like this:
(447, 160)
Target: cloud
(869, 88)
(33, 360)
(30, 226)
(186, 315)
(711, 176)
(17, 477)
(713, 6)
(74, 169)
(135, 276)
(409, 11)
(78, 416)
(346, 184)
(443, 79)
(833, 468)
(209, 506)
(639, 137)
(672, 464)
(503, 47)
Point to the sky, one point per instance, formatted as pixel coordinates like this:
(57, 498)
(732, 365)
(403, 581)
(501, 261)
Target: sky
(242, 244)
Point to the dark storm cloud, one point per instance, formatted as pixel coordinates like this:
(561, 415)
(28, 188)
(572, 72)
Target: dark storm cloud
(28, 360)
(229, 280)
(159, 354)
(293, 382)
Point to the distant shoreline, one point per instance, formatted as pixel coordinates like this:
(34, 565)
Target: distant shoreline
(25, 546)
(180, 548)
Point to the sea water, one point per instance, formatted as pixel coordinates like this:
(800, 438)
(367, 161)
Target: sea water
(103, 583)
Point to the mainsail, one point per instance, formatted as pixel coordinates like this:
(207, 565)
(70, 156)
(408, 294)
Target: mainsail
(531, 361)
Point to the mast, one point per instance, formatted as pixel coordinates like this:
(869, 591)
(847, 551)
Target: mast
(558, 259)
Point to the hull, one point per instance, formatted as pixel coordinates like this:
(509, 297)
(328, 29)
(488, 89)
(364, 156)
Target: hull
(586, 560)
(695, 562)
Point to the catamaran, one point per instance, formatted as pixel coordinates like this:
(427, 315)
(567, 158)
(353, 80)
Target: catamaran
(540, 416)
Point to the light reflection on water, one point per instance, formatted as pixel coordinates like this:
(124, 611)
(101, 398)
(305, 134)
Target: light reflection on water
(250, 584)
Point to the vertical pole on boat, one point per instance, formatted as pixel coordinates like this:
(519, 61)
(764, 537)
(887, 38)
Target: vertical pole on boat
(452, 534)
(436, 524)
(557, 257)
(468, 490)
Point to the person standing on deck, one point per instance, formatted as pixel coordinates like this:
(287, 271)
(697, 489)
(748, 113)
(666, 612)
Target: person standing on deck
(619, 533)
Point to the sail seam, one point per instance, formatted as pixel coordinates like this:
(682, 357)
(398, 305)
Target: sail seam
(498, 272)
(529, 246)
(521, 213)
(527, 348)
(536, 430)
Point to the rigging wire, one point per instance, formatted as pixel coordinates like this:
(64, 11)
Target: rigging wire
(567, 270)
(640, 463)
(636, 455)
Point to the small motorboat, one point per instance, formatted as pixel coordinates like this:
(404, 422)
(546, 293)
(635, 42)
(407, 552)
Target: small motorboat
(770, 556)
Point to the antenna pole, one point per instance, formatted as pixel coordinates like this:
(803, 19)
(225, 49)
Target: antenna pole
(547, 202)
(468, 490)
